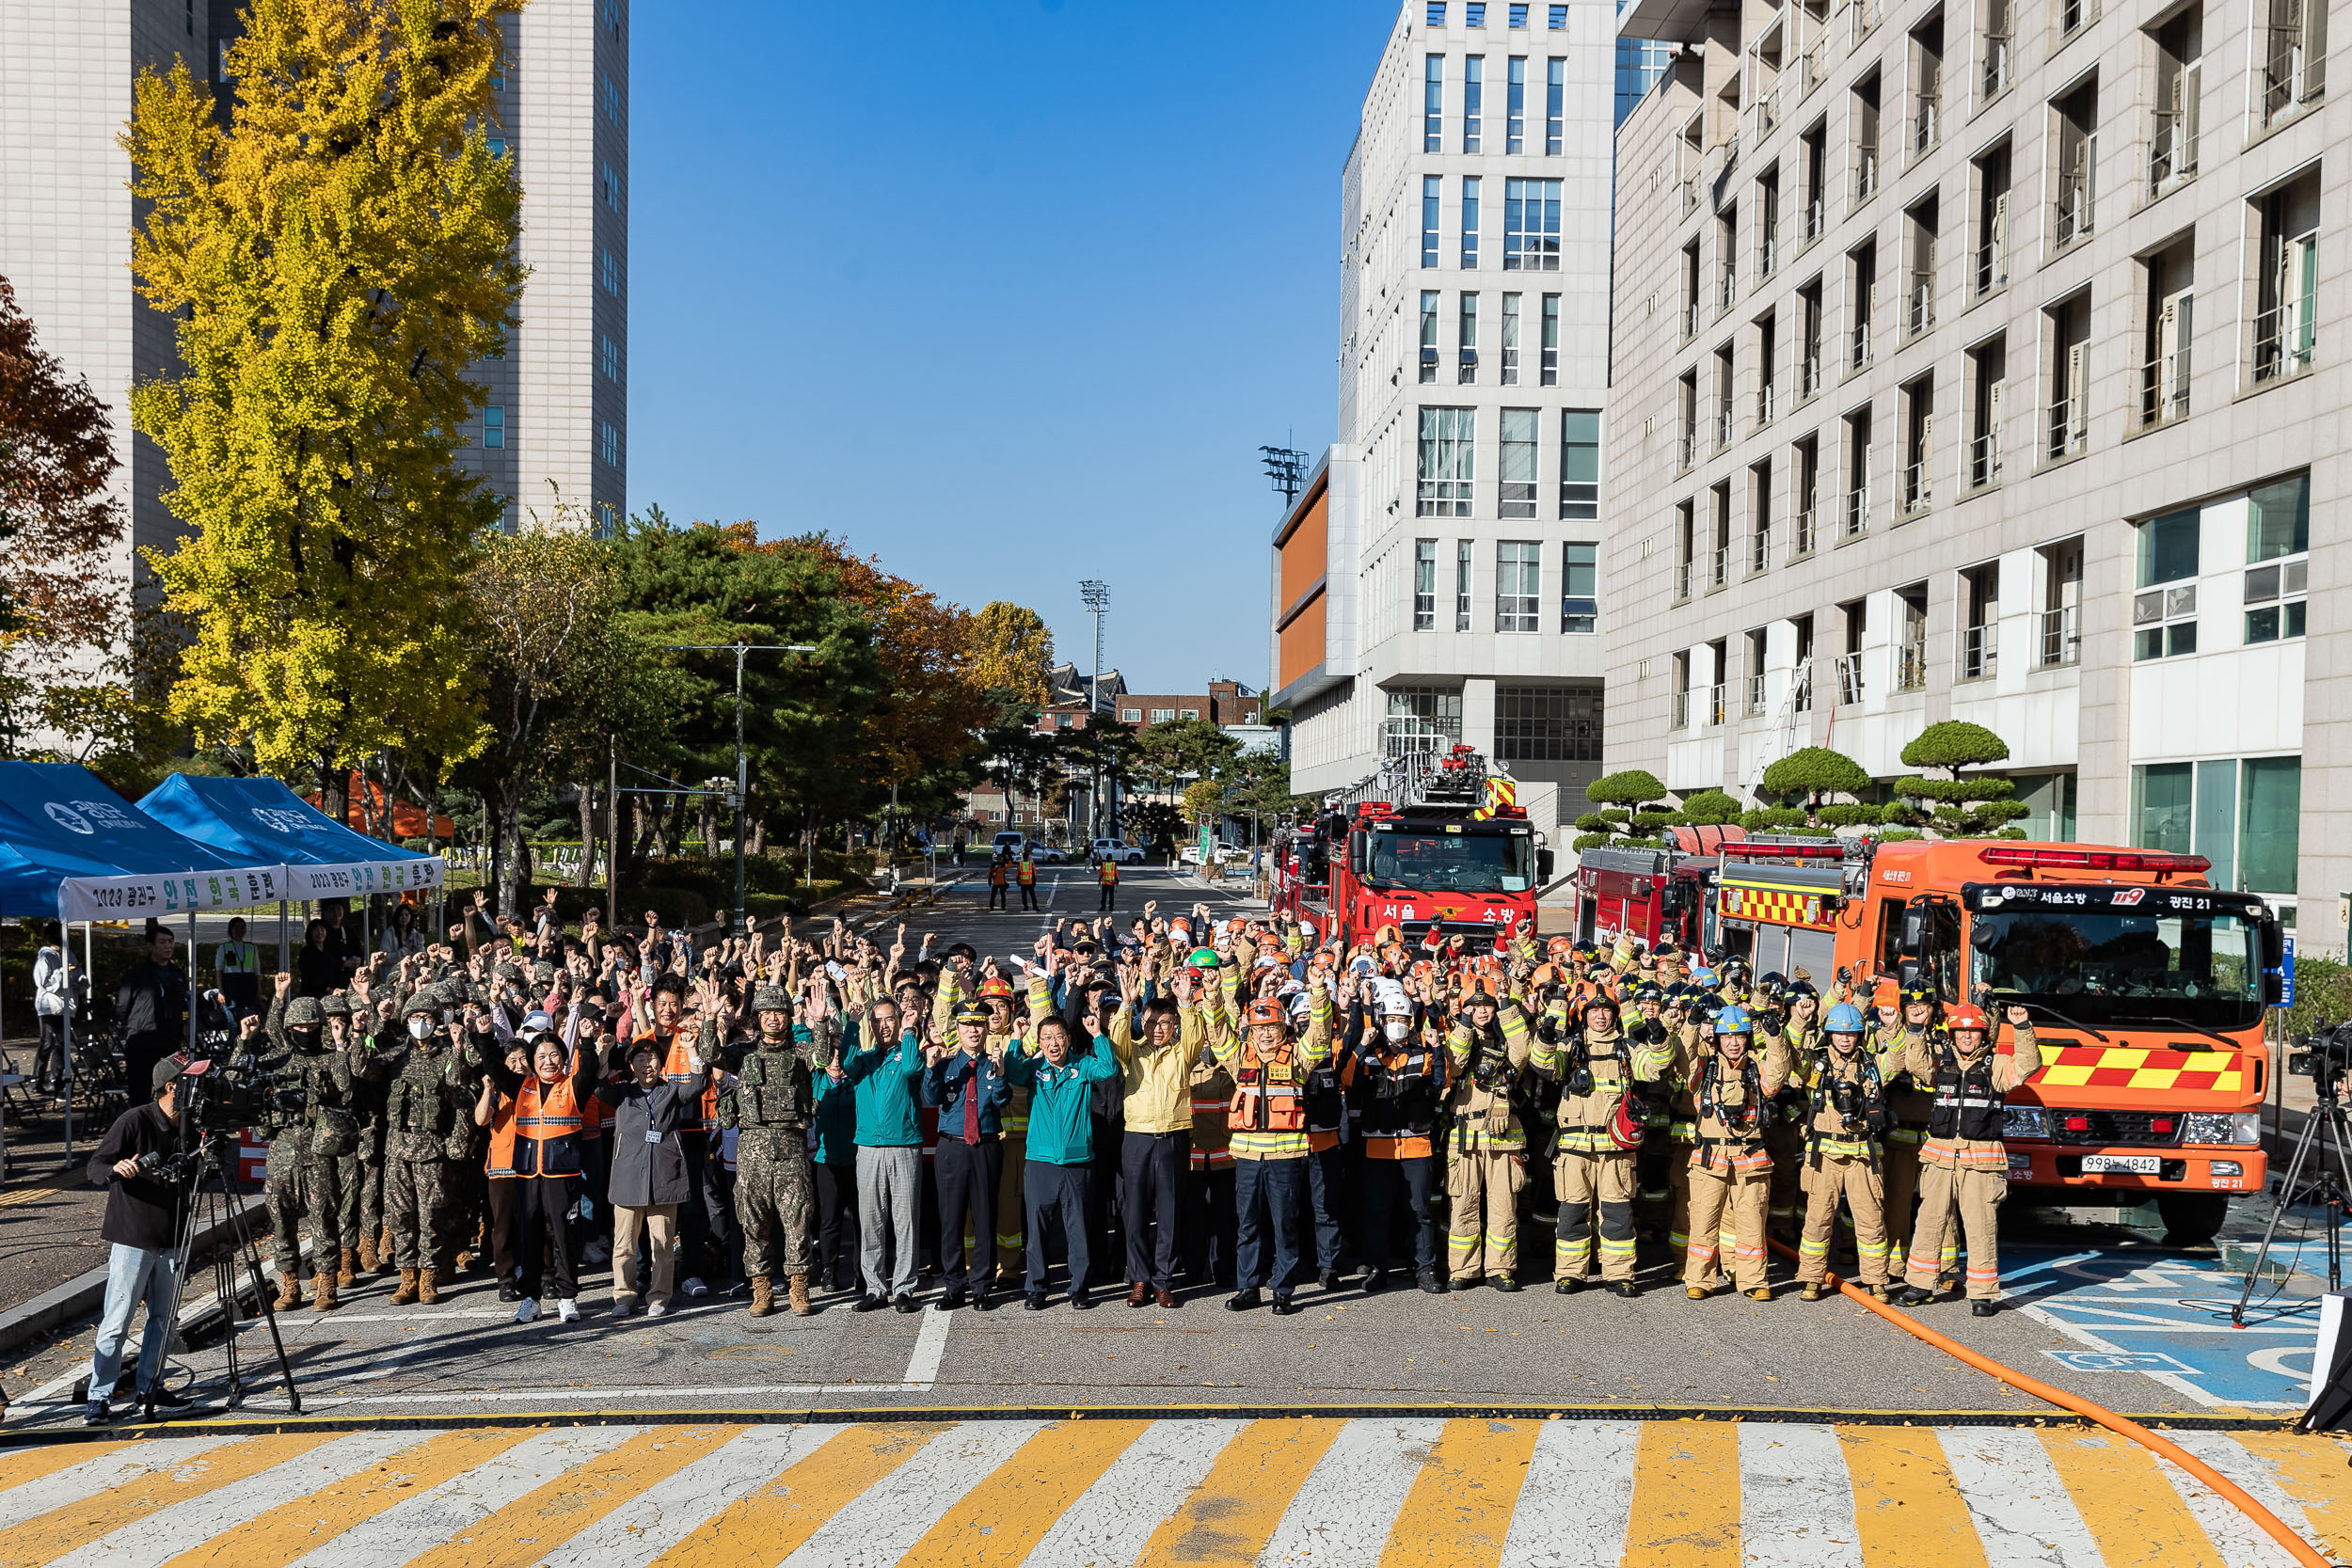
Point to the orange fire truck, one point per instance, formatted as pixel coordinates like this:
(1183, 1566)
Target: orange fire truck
(2147, 986)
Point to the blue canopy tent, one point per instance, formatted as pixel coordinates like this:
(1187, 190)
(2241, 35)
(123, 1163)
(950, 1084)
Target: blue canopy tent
(73, 849)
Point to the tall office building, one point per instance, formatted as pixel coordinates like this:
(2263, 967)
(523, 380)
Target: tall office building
(557, 402)
(1434, 582)
(1967, 365)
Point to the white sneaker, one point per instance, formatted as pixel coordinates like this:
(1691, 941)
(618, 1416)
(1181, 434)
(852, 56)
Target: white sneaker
(622, 1306)
(693, 1286)
(567, 1310)
(528, 1312)
(657, 1309)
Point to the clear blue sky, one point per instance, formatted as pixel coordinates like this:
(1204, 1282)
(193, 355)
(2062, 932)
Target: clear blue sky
(1006, 291)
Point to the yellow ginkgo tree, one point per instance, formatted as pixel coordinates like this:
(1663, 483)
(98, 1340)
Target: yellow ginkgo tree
(335, 256)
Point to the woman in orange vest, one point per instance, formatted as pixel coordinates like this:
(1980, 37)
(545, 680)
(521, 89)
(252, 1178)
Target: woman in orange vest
(545, 1114)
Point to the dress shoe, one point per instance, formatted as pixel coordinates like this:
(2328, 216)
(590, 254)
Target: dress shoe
(1140, 1293)
(1328, 1279)
(869, 1304)
(1034, 1302)
(954, 1297)
(1165, 1299)
(1375, 1282)
(1244, 1301)
(905, 1302)
(1285, 1306)
(1080, 1301)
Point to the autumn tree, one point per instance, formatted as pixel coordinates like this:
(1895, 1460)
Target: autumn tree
(67, 674)
(1013, 653)
(336, 256)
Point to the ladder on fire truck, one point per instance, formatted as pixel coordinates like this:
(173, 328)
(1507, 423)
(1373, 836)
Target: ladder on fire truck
(1454, 776)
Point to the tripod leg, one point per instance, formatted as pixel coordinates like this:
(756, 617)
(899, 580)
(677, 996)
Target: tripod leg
(2278, 1207)
(245, 1244)
(2332, 1182)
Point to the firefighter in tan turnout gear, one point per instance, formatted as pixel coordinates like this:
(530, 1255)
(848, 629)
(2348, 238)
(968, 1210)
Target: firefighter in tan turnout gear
(1845, 1117)
(1964, 1168)
(1602, 1120)
(1731, 1170)
(1487, 1051)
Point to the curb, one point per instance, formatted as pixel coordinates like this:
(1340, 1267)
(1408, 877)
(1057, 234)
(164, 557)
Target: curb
(85, 1294)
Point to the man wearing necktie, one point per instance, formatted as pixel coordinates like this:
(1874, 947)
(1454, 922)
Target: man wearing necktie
(966, 1081)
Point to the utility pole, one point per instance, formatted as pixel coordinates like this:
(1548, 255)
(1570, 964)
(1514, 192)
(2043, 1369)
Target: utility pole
(612, 836)
(1096, 596)
(743, 764)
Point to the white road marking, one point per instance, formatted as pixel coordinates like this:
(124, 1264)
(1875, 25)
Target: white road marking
(660, 1517)
(1578, 1496)
(2230, 1457)
(78, 1483)
(1344, 1511)
(885, 1521)
(2238, 1540)
(2022, 1509)
(1112, 1521)
(445, 1512)
(931, 1344)
(1796, 1499)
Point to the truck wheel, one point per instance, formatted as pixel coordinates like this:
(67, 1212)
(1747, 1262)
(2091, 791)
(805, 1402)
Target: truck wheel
(2191, 1219)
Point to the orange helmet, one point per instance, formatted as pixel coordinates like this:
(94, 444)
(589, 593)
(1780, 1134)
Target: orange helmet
(1967, 1015)
(1886, 993)
(1545, 974)
(994, 986)
(1267, 1010)
(1559, 948)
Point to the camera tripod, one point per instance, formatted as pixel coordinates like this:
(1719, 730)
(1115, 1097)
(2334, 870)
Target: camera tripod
(209, 1201)
(2328, 1184)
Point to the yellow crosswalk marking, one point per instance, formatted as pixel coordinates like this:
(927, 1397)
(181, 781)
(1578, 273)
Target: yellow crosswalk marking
(2127, 1502)
(61, 1529)
(32, 1464)
(302, 1525)
(1460, 1508)
(770, 1522)
(1231, 1515)
(1906, 1504)
(1686, 1496)
(1005, 1516)
(2312, 1471)
(543, 1519)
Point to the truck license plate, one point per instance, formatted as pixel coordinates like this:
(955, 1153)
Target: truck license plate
(2127, 1164)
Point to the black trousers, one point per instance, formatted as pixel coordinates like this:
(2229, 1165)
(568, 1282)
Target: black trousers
(505, 1211)
(1110, 894)
(1395, 1188)
(49, 1063)
(996, 895)
(140, 1053)
(1057, 1201)
(1327, 1190)
(539, 1205)
(1151, 1176)
(836, 1223)
(1210, 1224)
(967, 1175)
(1029, 895)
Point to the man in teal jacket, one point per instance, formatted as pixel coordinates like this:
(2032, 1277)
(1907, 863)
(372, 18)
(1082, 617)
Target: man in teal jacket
(885, 1065)
(1059, 1174)
(836, 1175)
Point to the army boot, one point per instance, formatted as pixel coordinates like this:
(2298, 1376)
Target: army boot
(289, 1292)
(367, 1256)
(801, 1306)
(324, 1292)
(407, 1294)
(384, 1252)
(763, 1296)
(429, 1286)
(348, 1267)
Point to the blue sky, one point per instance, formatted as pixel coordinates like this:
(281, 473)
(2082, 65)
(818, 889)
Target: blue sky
(1006, 291)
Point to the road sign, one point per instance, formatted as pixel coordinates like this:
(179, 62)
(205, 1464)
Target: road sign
(2286, 976)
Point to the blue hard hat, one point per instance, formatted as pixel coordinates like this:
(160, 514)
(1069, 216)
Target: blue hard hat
(1733, 1021)
(1703, 975)
(1844, 1019)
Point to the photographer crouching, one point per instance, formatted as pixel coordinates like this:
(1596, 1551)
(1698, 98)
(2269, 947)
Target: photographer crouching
(147, 1206)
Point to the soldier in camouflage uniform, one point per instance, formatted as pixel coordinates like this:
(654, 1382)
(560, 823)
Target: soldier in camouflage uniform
(770, 1103)
(304, 1174)
(343, 1034)
(366, 1208)
(425, 1115)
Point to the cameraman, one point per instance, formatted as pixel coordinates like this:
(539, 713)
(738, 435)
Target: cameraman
(144, 1214)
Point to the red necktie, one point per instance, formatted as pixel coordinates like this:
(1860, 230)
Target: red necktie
(972, 1106)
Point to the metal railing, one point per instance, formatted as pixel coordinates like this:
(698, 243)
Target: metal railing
(1767, 249)
(1921, 314)
(1923, 126)
(2164, 388)
(1865, 17)
(1849, 678)
(2172, 152)
(1801, 534)
(1858, 512)
(2070, 214)
(2070, 427)
(1809, 375)
(1690, 321)
(1911, 664)
(1726, 288)
(2284, 335)
(1992, 265)
(1719, 572)
(1995, 64)
(2061, 637)
(1681, 718)
(1984, 460)
(1764, 408)
(1689, 453)
(1865, 173)
(1764, 115)
(1980, 653)
(1715, 704)
(1726, 427)
(1816, 220)
(1759, 551)
(1810, 73)
(1860, 348)
(2293, 73)
(1684, 571)
(1755, 697)
(1918, 487)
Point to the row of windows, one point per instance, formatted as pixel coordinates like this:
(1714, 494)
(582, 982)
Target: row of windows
(1532, 723)
(1472, 130)
(609, 444)
(1474, 14)
(2244, 815)
(1446, 471)
(1518, 585)
(1531, 223)
(1510, 328)
(2277, 540)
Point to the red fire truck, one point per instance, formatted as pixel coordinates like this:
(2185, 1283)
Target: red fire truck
(1433, 841)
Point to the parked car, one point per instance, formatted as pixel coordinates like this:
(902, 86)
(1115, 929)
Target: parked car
(1116, 850)
(1045, 854)
(1226, 853)
(1007, 843)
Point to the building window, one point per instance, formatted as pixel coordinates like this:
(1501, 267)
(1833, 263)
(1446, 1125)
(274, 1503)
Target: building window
(1580, 587)
(611, 359)
(2278, 535)
(609, 445)
(1476, 13)
(493, 426)
(2077, 136)
(1163, 715)
(613, 19)
(1431, 189)
(1466, 341)
(1580, 465)
(611, 188)
(1473, 99)
(1518, 585)
(1469, 223)
(2069, 327)
(1555, 95)
(1530, 226)
(1518, 476)
(496, 146)
(608, 519)
(1432, 97)
(2295, 53)
(1547, 723)
(1424, 585)
(1429, 335)
(612, 270)
(1550, 366)
(1436, 16)
(1449, 438)
(2287, 292)
(1518, 16)
(1190, 712)
(2243, 816)
(1515, 106)
(1423, 718)
(2164, 612)
(611, 98)
(1461, 585)
(1558, 20)
(1510, 340)
(1126, 716)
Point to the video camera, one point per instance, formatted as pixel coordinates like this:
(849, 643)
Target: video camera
(2324, 1054)
(227, 1097)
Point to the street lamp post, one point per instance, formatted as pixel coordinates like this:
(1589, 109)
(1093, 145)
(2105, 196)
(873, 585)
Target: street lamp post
(1096, 596)
(743, 765)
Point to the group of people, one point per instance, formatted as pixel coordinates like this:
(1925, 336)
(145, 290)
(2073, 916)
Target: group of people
(1007, 869)
(1172, 1101)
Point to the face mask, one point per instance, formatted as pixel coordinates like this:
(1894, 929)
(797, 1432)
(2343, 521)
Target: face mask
(420, 1028)
(1396, 1028)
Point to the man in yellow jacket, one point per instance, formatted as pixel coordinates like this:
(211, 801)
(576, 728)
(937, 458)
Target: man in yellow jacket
(1155, 1044)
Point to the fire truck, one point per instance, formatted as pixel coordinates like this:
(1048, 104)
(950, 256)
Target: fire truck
(2148, 989)
(1434, 841)
(1721, 892)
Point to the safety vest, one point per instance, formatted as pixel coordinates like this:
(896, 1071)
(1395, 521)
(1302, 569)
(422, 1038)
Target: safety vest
(1267, 1095)
(677, 1066)
(547, 1130)
(1403, 1102)
(503, 1139)
(1029, 873)
(1108, 874)
(238, 958)
(996, 874)
(1966, 1104)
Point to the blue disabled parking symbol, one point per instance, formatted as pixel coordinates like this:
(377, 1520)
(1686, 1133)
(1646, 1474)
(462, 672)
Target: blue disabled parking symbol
(2169, 1319)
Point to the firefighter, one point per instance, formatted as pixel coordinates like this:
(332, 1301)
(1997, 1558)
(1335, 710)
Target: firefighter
(1395, 1071)
(1602, 1122)
(1028, 877)
(1846, 1114)
(1908, 1103)
(1269, 1122)
(1731, 1171)
(1792, 1014)
(1486, 1050)
(1964, 1164)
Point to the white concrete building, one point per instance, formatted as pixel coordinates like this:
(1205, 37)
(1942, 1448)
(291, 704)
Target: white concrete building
(1436, 579)
(557, 402)
(1966, 367)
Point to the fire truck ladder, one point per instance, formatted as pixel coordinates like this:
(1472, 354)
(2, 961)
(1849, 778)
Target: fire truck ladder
(1782, 737)
(1455, 777)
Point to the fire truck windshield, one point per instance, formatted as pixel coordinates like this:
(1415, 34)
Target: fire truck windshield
(1451, 862)
(2115, 966)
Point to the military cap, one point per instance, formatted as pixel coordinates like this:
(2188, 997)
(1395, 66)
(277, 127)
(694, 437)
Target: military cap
(305, 1012)
(972, 1012)
(335, 1005)
(422, 1004)
(770, 999)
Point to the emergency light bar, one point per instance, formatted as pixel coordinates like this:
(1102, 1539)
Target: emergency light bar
(2091, 860)
(1751, 848)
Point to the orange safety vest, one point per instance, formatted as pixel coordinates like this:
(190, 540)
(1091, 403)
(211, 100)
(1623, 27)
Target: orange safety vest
(1263, 1102)
(1110, 873)
(547, 1130)
(503, 1139)
(1029, 873)
(677, 1066)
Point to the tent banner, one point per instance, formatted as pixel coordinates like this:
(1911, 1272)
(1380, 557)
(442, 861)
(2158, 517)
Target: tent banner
(359, 880)
(154, 895)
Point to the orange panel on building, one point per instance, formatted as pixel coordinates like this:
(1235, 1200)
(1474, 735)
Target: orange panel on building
(1305, 549)
(1302, 643)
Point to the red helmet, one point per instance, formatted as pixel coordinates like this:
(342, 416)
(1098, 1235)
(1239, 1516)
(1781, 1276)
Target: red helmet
(1967, 1015)
(996, 986)
(1626, 1126)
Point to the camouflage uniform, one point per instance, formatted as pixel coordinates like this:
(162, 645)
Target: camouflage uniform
(367, 1103)
(771, 1105)
(351, 1170)
(420, 1084)
(309, 1144)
